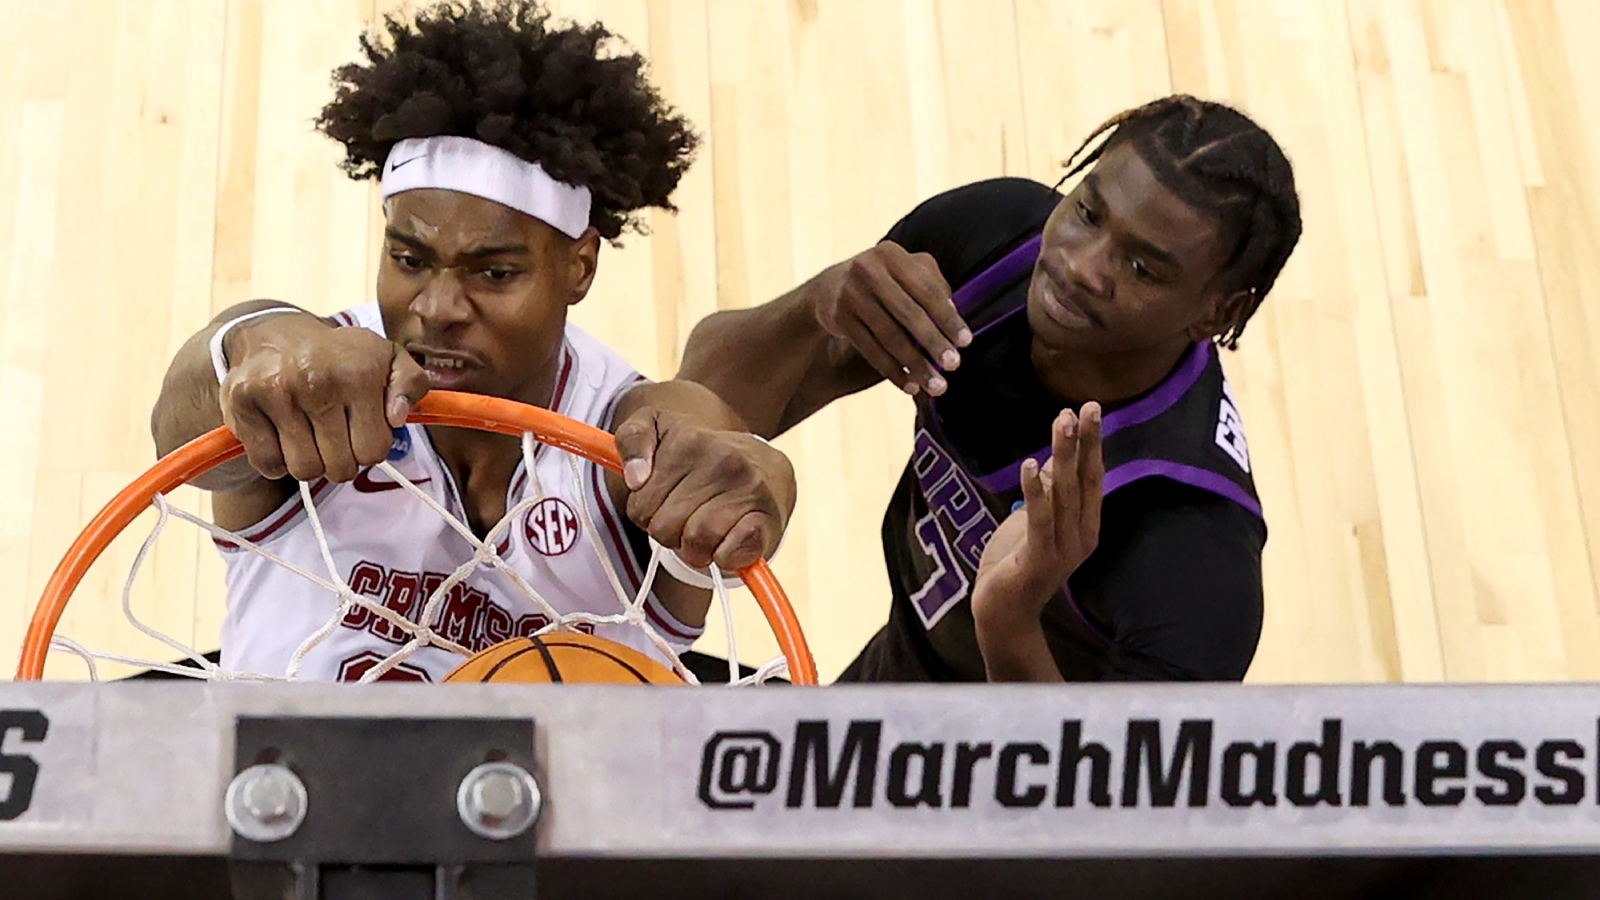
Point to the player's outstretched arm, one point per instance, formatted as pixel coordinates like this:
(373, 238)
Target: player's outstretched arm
(306, 399)
(1037, 547)
(882, 314)
(698, 482)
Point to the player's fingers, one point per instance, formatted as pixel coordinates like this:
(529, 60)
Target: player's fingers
(913, 296)
(636, 444)
(704, 532)
(664, 519)
(295, 435)
(408, 383)
(254, 430)
(330, 429)
(747, 541)
(1091, 473)
(893, 337)
(370, 433)
(716, 481)
(1065, 487)
(919, 272)
(649, 506)
(880, 359)
(940, 302)
(1036, 505)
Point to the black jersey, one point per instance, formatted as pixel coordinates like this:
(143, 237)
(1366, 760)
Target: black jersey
(1173, 591)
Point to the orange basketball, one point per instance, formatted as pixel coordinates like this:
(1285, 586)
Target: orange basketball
(563, 657)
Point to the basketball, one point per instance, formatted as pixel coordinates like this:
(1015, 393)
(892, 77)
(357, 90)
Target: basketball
(563, 658)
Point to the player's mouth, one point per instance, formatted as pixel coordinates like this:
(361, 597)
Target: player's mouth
(1058, 301)
(447, 370)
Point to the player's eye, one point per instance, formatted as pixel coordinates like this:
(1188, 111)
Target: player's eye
(407, 262)
(1086, 214)
(498, 275)
(1140, 268)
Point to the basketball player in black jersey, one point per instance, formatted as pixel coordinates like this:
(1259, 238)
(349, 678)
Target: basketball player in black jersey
(1079, 503)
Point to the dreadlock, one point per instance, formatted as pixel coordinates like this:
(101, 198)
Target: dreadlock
(500, 71)
(1219, 161)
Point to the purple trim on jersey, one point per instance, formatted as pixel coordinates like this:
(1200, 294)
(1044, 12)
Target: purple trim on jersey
(1009, 267)
(1194, 476)
(1163, 398)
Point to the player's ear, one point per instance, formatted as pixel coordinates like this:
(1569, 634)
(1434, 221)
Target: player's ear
(1223, 312)
(583, 259)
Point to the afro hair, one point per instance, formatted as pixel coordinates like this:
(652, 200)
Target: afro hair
(503, 73)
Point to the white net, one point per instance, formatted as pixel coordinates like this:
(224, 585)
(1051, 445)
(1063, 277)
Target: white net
(421, 630)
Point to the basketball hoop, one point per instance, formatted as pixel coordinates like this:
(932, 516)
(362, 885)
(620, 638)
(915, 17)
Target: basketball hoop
(438, 408)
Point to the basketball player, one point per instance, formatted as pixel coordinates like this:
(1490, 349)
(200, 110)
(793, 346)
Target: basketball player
(506, 147)
(1003, 561)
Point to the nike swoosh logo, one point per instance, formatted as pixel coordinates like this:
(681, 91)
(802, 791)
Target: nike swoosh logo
(367, 485)
(401, 162)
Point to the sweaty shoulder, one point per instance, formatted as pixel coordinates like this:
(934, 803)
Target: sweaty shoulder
(967, 228)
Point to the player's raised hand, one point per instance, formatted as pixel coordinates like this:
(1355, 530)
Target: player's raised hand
(310, 400)
(1030, 556)
(708, 494)
(894, 308)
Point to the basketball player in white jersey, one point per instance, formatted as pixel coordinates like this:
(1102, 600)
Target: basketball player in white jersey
(506, 148)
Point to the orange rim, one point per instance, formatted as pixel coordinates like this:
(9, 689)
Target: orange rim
(438, 408)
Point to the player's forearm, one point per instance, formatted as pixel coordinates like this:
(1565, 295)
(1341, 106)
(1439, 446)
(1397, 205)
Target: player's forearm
(774, 363)
(187, 406)
(1014, 649)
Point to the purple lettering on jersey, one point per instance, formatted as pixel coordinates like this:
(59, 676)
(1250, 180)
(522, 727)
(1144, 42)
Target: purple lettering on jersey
(929, 461)
(954, 532)
(947, 585)
(954, 502)
(970, 543)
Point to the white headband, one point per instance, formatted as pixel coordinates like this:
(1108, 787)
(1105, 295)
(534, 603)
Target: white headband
(472, 167)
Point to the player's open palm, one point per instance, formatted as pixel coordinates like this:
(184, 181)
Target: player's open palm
(1039, 545)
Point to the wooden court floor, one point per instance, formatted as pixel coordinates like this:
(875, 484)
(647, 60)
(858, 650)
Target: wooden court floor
(1422, 390)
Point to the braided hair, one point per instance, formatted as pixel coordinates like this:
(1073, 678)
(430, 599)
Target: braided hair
(501, 71)
(1219, 161)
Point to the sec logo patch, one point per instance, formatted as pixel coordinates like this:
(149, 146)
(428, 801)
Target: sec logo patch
(551, 527)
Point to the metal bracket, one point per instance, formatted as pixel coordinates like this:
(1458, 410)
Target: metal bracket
(348, 808)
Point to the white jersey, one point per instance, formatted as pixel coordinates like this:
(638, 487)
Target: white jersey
(389, 546)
